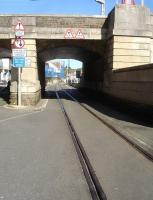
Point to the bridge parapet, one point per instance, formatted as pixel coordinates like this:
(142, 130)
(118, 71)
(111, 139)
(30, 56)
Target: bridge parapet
(55, 27)
(128, 74)
(52, 26)
(130, 38)
(133, 21)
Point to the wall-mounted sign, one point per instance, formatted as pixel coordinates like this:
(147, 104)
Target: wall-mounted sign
(79, 34)
(69, 34)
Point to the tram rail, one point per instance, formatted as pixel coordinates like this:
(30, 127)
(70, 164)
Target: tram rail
(94, 185)
(144, 152)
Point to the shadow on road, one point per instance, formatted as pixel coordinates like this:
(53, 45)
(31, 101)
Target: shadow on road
(113, 108)
(4, 94)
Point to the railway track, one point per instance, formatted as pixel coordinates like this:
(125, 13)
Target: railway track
(146, 153)
(94, 185)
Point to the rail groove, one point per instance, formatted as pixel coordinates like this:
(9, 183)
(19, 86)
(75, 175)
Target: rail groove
(94, 185)
(130, 141)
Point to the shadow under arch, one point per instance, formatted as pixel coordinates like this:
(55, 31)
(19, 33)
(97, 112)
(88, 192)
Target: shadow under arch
(86, 51)
(5, 53)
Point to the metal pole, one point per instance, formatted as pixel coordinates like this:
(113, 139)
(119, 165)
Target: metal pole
(19, 86)
(103, 9)
(102, 2)
(68, 68)
(67, 74)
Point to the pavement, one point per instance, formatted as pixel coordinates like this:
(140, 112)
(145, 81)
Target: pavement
(124, 173)
(139, 133)
(41, 105)
(37, 157)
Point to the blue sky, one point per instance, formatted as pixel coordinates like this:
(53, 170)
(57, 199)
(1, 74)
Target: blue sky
(73, 63)
(86, 7)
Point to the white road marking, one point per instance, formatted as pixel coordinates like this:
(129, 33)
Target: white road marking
(19, 116)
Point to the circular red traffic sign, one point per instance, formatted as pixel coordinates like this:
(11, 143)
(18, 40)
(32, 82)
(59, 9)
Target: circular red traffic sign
(19, 43)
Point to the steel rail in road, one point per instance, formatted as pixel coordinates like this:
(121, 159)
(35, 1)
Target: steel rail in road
(141, 150)
(94, 185)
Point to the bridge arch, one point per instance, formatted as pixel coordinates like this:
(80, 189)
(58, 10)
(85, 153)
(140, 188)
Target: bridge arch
(5, 48)
(86, 51)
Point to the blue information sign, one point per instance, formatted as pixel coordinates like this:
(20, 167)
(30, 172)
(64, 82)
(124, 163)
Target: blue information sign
(52, 72)
(18, 62)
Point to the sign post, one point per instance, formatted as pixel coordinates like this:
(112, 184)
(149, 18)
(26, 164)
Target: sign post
(19, 55)
(19, 62)
(19, 86)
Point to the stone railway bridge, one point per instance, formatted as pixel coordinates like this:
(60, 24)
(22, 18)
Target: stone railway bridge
(117, 51)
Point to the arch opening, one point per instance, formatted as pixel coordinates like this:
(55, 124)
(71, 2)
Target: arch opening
(63, 70)
(88, 52)
(5, 70)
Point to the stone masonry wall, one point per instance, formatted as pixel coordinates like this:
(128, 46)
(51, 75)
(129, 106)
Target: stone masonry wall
(30, 85)
(134, 84)
(129, 55)
(130, 51)
(52, 26)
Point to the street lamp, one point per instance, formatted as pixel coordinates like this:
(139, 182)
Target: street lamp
(102, 2)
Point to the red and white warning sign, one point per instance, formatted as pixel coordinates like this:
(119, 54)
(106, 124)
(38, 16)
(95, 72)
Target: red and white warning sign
(19, 26)
(19, 30)
(79, 35)
(69, 34)
(19, 42)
